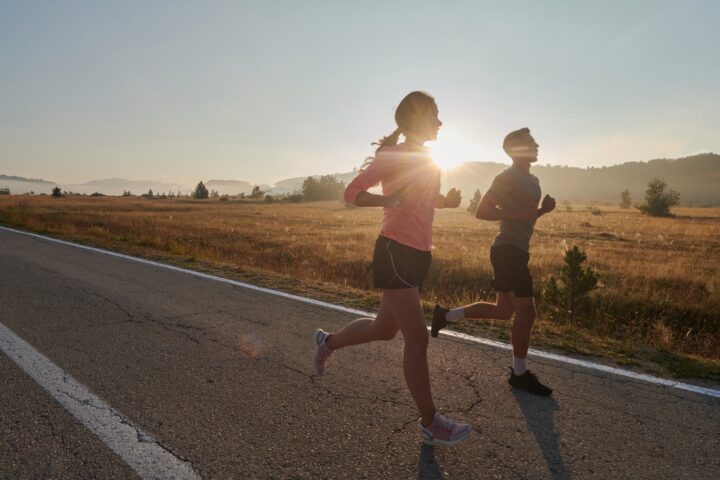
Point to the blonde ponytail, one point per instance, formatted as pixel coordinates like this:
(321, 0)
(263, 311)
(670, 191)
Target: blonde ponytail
(386, 141)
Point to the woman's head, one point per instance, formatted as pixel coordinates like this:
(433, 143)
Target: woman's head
(416, 117)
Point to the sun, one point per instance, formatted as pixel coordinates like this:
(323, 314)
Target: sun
(451, 149)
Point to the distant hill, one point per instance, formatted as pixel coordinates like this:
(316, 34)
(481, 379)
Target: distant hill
(25, 185)
(234, 187)
(116, 186)
(696, 178)
(13, 178)
(108, 186)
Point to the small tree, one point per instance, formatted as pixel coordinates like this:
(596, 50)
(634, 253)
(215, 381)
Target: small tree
(56, 192)
(475, 201)
(577, 283)
(201, 191)
(658, 201)
(214, 194)
(256, 192)
(625, 199)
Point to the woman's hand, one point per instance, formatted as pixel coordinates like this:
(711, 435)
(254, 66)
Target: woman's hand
(453, 198)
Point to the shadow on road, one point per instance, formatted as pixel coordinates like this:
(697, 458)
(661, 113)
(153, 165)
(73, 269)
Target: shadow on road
(539, 413)
(428, 469)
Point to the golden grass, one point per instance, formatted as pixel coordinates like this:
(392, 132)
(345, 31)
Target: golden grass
(660, 277)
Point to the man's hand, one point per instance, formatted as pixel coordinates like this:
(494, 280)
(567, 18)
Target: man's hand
(453, 198)
(548, 204)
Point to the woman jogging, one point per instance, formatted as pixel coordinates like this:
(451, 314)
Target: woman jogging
(410, 183)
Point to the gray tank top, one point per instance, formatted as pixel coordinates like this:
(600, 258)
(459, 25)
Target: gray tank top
(515, 189)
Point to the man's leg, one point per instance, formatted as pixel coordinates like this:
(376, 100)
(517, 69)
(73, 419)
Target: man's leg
(525, 315)
(520, 377)
(502, 309)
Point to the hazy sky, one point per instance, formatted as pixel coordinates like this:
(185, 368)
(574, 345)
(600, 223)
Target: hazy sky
(266, 90)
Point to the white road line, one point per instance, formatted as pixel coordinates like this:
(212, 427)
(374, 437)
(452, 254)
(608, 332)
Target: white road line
(484, 341)
(139, 450)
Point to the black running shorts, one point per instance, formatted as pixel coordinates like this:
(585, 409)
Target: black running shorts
(398, 266)
(510, 265)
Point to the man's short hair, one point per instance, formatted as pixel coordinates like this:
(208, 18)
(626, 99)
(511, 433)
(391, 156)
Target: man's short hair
(515, 139)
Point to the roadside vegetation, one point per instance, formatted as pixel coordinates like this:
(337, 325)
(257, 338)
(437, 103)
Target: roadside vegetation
(650, 284)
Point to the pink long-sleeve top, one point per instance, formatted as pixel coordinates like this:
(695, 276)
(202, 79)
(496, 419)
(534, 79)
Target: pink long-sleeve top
(396, 168)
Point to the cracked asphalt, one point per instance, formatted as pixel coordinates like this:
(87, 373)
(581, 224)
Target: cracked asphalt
(220, 376)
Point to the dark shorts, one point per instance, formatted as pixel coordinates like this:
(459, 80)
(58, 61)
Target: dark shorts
(398, 266)
(510, 264)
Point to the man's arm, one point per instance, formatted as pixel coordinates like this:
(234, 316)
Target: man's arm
(487, 210)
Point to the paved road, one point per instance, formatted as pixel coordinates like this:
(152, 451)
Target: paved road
(220, 376)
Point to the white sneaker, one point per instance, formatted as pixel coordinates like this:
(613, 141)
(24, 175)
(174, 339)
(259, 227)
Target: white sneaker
(444, 431)
(321, 352)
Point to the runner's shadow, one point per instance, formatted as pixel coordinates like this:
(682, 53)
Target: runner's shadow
(428, 469)
(539, 413)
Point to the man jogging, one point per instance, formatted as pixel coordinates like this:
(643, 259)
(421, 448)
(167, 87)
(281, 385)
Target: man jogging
(513, 201)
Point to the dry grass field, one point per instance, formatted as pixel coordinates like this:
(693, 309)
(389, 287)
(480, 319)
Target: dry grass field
(660, 277)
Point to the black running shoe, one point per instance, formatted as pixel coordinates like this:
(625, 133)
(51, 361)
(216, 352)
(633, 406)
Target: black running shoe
(528, 382)
(439, 321)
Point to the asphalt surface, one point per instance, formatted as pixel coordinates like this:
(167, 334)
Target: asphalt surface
(220, 376)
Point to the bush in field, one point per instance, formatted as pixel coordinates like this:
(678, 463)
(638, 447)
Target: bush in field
(658, 201)
(475, 201)
(571, 293)
(625, 199)
(200, 192)
(56, 192)
(324, 187)
(294, 197)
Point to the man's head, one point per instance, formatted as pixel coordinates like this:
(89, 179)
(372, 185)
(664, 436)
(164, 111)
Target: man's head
(521, 146)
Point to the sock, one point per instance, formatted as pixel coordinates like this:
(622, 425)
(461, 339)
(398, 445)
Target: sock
(325, 343)
(455, 314)
(519, 365)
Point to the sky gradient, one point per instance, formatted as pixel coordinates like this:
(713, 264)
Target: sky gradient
(261, 91)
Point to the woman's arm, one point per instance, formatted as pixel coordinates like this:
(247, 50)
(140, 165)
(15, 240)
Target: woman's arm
(367, 199)
(357, 193)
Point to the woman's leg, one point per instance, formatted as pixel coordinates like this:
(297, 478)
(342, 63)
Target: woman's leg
(364, 330)
(404, 306)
